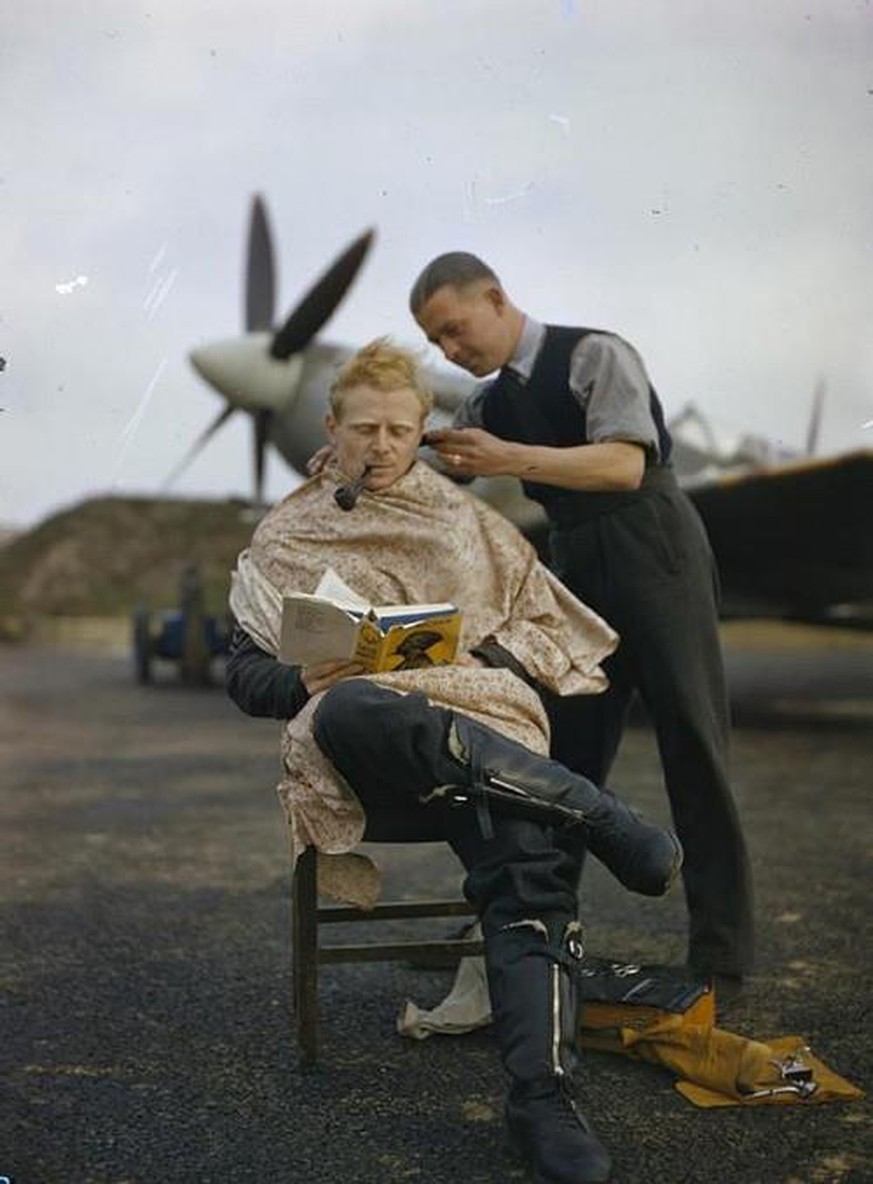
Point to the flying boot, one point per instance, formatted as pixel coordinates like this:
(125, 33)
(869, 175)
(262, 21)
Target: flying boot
(644, 857)
(533, 997)
(409, 747)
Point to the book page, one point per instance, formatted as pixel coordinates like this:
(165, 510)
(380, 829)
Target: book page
(315, 630)
(333, 587)
(389, 615)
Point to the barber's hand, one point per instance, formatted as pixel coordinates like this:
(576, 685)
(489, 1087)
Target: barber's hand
(320, 676)
(467, 659)
(320, 460)
(472, 452)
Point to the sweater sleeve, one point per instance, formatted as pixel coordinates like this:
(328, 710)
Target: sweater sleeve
(260, 684)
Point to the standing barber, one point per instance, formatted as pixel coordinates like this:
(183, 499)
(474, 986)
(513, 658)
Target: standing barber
(572, 414)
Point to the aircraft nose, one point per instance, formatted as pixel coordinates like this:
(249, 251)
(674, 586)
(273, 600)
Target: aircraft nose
(242, 370)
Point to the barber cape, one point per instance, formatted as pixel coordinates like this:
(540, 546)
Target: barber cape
(421, 540)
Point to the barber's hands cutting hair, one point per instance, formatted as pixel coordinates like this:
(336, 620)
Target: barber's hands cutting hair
(471, 452)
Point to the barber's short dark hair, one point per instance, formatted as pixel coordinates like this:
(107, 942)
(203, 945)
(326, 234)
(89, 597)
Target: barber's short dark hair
(455, 269)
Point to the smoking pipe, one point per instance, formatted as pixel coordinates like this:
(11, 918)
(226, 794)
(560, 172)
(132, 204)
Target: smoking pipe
(346, 496)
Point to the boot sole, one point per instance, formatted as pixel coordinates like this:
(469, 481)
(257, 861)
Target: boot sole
(514, 1146)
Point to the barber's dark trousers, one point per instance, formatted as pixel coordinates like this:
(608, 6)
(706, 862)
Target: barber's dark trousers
(648, 570)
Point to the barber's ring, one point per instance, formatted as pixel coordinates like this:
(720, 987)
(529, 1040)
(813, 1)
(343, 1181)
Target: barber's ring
(456, 460)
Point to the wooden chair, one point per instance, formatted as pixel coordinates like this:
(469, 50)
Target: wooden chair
(308, 953)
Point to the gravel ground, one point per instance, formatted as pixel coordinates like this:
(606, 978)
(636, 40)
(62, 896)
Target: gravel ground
(145, 963)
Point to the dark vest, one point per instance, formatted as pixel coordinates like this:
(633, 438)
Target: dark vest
(545, 411)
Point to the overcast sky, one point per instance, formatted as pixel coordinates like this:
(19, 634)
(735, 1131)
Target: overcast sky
(693, 174)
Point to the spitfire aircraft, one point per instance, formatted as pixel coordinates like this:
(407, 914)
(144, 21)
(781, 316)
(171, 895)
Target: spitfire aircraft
(281, 375)
(791, 535)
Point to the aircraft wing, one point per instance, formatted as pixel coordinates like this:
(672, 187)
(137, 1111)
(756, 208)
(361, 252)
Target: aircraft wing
(794, 540)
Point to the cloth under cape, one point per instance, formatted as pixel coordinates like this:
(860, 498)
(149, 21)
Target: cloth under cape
(713, 1067)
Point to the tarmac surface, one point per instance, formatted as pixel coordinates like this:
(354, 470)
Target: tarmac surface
(145, 988)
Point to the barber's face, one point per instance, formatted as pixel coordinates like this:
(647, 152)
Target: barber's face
(381, 429)
(470, 325)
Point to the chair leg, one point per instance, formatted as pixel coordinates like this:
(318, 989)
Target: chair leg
(304, 952)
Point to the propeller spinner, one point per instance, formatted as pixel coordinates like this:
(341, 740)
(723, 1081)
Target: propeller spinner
(260, 372)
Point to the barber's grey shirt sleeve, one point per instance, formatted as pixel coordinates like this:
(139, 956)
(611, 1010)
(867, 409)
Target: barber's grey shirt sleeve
(608, 378)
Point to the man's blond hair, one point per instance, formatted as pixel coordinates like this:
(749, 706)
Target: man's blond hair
(383, 367)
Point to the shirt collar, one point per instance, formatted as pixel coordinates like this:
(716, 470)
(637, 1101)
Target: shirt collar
(529, 344)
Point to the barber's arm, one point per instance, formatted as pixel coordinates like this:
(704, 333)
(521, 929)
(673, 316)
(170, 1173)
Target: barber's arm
(473, 452)
(261, 685)
(609, 381)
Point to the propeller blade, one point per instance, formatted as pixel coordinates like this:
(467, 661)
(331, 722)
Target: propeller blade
(204, 436)
(321, 300)
(263, 420)
(260, 271)
(812, 431)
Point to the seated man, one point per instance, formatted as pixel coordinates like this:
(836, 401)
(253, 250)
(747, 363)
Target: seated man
(465, 743)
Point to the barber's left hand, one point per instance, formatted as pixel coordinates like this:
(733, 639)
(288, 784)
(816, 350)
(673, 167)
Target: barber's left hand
(472, 452)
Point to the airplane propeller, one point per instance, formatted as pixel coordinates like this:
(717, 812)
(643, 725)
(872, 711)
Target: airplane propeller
(263, 420)
(256, 373)
(814, 428)
(320, 301)
(260, 271)
(206, 435)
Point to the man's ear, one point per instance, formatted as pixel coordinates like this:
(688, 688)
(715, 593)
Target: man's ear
(330, 425)
(496, 297)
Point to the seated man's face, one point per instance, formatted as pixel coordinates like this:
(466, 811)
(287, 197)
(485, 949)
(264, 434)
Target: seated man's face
(381, 429)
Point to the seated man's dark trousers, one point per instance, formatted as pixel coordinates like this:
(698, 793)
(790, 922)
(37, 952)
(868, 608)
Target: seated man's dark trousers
(398, 749)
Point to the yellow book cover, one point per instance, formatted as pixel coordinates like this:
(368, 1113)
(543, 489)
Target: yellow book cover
(391, 637)
(411, 638)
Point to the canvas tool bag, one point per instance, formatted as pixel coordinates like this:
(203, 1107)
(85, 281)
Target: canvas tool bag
(653, 1014)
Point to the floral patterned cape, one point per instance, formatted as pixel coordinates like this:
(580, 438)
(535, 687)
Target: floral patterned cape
(421, 540)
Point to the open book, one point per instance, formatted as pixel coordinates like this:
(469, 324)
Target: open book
(334, 622)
